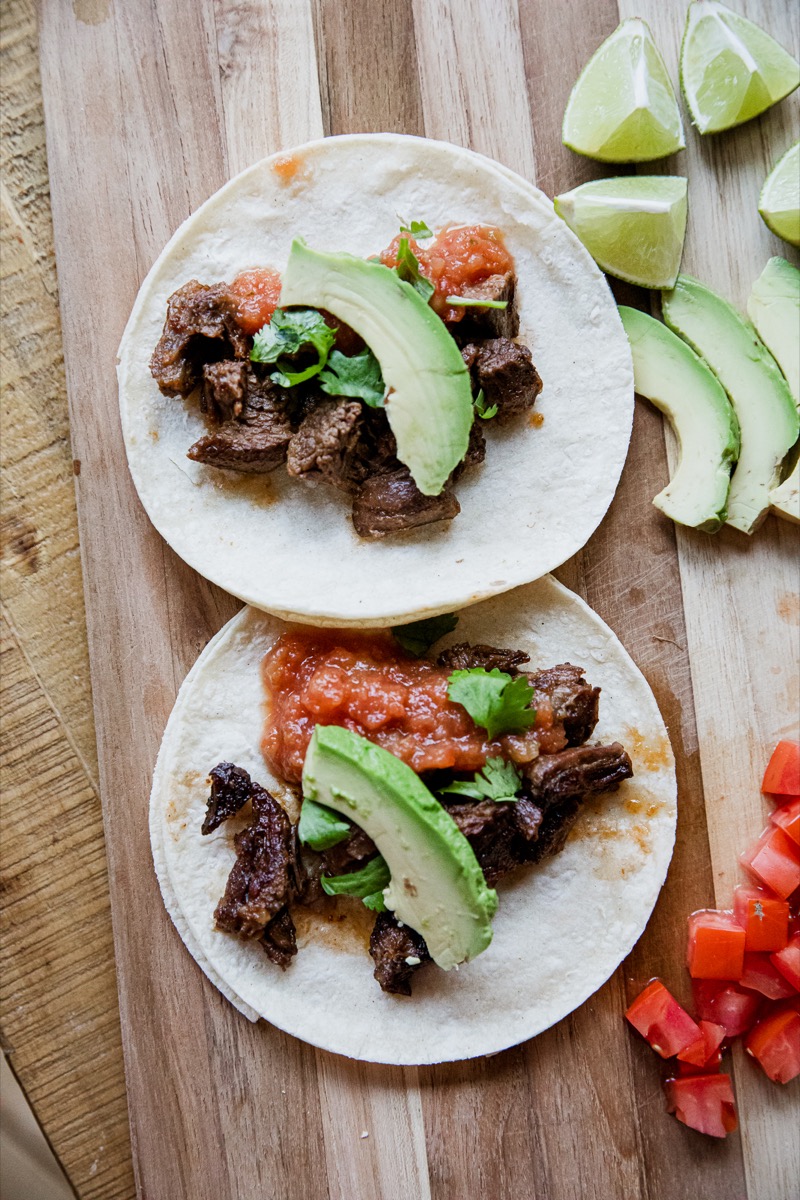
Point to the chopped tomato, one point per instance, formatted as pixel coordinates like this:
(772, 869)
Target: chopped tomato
(703, 1102)
(774, 860)
(764, 918)
(701, 1052)
(787, 962)
(782, 776)
(716, 945)
(708, 1068)
(761, 975)
(256, 295)
(787, 817)
(661, 1020)
(726, 1004)
(775, 1044)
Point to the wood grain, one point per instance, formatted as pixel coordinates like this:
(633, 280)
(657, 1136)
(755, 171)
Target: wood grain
(150, 107)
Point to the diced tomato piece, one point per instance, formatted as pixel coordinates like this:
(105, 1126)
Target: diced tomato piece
(255, 295)
(700, 1052)
(774, 860)
(764, 918)
(661, 1020)
(716, 945)
(782, 776)
(787, 817)
(788, 962)
(726, 1004)
(775, 1044)
(708, 1068)
(760, 975)
(703, 1102)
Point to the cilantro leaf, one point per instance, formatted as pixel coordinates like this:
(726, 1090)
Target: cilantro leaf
(408, 269)
(418, 636)
(286, 334)
(358, 376)
(320, 827)
(495, 701)
(499, 780)
(368, 883)
(466, 302)
(417, 229)
(484, 412)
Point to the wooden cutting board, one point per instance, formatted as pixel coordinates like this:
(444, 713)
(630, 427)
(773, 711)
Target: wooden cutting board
(150, 107)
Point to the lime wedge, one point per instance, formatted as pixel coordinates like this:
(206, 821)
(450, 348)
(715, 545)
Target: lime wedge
(623, 107)
(633, 227)
(779, 202)
(731, 70)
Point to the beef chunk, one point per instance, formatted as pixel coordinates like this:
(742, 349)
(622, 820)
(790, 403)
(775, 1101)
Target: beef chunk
(348, 855)
(393, 502)
(579, 771)
(390, 946)
(505, 372)
(267, 874)
(464, 657)
(279, 939)
(257, 441)
(489, 322)
(554, 829)
(224, 389)
(575, 704)
(324, 446)
(230, 791)
(200, 328)
(476, 451)
(503, 835)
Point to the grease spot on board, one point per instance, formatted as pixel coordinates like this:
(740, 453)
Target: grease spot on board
(788, 608)
(91, 12)
(338, 922)
(19, 543)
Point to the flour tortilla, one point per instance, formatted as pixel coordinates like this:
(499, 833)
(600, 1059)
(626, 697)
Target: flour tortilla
(562, 927)
(288, 547)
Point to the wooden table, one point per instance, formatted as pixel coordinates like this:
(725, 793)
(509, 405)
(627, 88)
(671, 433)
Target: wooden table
(150, 107)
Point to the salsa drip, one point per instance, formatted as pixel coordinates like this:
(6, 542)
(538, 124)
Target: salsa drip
(459, 258)
(367, 684)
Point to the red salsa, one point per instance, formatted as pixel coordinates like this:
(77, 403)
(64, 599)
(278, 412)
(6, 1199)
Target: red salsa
(367, 684)
(458, 258)
(256, 294)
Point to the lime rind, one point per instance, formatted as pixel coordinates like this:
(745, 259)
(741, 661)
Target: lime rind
(633, 227)
(779, 202)
(622, 107)
(731, 69)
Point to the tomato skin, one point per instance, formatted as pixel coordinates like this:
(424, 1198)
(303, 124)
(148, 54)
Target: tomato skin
(705, 1051)
(726, 1004)
(658, 1017)
(775, 1044)
(763, 976)
(716, 945)
(787, 818)
(764, 918)
(782, 776)
(787, 961)
(775, 861)
(703, 1102)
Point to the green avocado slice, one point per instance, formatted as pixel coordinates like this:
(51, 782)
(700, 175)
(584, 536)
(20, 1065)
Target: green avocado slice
(669, 374)
(437, 886)
(774, 309)
(429, 404)
(759, 393)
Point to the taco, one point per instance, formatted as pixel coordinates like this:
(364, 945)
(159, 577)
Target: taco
(313, 387)
(416, 846)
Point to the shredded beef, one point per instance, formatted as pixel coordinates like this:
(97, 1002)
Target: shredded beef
(256, 442)
(230, 791)
(267, 874)
(393, 502)
(390, 945)
(224, 389)
(480, 322)
(505, 371)
(280, 939)
(575, 703)
(464, 656)
(578, 771)
(503, 835)
(200, 327)
(324, 446)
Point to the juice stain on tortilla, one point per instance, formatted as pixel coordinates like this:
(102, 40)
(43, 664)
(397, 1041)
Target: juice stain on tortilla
(287, 166)
(536, 419)
(651, 753)
(256, 488)
(338, 922)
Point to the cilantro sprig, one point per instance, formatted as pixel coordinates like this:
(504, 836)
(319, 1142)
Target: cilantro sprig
(285, 335)
(358, 375)
(320, 827)
(468, 302)
(495, 701)
(417, 229)
(368, 883)
(485, 411)
(499, 780)
(408, 269)
(417, 637)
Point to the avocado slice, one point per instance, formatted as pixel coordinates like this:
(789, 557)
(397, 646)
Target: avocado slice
(774, 309)
(760, 395)
(678, 382)
(437, 886)
(430, 398)
(785, 499)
